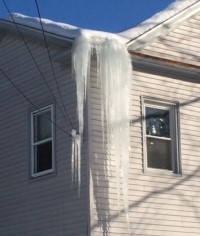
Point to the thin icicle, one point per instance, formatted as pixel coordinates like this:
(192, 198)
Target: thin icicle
(73, 134)
(81, 54)
(76, 159)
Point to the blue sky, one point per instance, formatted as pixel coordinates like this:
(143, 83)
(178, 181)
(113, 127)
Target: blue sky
(106, 15)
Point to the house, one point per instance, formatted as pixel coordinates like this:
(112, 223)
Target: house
(99, 131)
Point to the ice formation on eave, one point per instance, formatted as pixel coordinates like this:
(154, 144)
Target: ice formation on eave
(114, 80)
(160, 17)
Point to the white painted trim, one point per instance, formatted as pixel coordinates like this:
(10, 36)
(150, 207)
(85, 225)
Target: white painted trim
(33, 144)
(163, 28)
(172, 107)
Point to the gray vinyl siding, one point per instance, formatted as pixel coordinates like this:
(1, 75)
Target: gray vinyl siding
(47, 205)
(180, 44)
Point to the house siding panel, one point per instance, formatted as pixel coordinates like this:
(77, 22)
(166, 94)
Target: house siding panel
(180, 44)
(159, 204)
(47, 205)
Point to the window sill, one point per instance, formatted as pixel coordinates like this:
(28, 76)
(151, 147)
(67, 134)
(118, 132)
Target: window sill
(42, 176)
(161, 172)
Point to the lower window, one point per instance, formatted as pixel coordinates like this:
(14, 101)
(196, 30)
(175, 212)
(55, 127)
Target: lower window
(42, 141)
(160, 135)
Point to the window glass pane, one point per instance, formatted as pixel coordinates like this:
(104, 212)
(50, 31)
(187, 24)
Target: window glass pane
(157, 122)
(159, 153)
(42, 126)
(43, 157)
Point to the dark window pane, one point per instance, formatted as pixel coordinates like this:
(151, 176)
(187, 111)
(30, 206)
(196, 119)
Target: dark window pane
(159, 153)
(42, 126)
(157, 122)
(43, 157)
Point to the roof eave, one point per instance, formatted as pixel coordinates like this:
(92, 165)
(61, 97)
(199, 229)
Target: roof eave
(163, 28)
(35, 33)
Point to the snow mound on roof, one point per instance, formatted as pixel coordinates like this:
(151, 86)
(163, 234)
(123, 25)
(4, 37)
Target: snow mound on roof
(61, 29)
(160, 17)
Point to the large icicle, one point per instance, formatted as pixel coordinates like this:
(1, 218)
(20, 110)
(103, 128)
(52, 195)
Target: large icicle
(80, 61)
(114, 78)
(115, 73)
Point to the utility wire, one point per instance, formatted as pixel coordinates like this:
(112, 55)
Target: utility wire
(26, 98)
(53, 71)
(36, 64)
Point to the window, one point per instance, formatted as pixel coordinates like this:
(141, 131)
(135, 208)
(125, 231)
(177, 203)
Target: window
(42, 142)
(160, 136)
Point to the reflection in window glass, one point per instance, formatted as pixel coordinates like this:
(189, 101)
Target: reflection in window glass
(42, 126)
(157, 122)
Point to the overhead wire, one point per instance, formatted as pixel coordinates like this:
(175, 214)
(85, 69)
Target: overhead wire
(26, 98)
(38, 68)
(50, 60)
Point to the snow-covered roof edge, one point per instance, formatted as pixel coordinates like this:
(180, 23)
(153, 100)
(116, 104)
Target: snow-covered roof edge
(127, 36)
(172, 10)
(62, 29)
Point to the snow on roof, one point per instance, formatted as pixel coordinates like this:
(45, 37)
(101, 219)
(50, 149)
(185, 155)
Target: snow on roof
(72, 32)
(160, 17)
(62, 29)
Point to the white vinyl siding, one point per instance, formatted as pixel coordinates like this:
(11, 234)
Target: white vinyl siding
(181, 44)
(159, 204)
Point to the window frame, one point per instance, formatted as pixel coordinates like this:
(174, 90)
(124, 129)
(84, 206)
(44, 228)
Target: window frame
(172, 107)
(33, 144)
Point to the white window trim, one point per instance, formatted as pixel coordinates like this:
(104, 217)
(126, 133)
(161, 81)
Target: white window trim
(174, 137)
(40, 111)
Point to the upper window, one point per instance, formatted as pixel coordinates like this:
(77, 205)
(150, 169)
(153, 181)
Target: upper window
(160, 136)
(42, 141)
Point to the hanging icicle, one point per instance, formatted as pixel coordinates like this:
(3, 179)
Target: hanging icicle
(81, 54)
(76, 159)
(114, 75)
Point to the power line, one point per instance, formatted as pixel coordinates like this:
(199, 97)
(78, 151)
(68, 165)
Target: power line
(52, 67)
(26, 98)
(37, 66)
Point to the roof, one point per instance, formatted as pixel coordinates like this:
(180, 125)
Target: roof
(128, 36)
(58, 28)
(170, 13)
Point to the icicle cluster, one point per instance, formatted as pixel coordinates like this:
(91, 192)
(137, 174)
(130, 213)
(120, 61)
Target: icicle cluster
(115, 73)
(114, 78)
